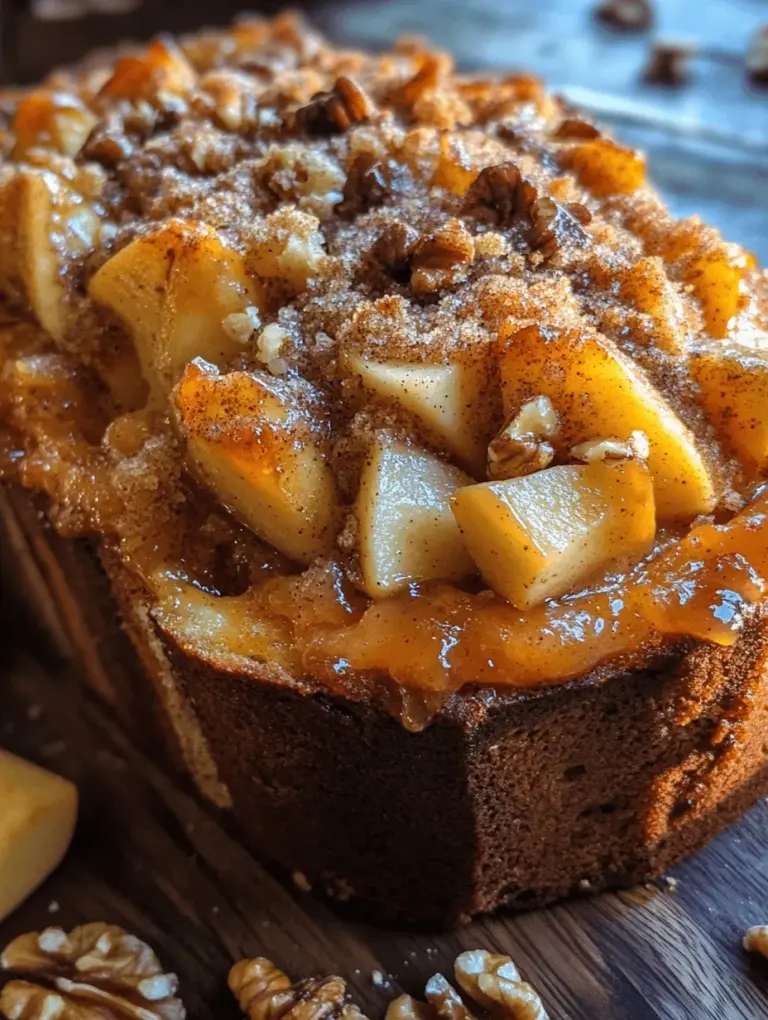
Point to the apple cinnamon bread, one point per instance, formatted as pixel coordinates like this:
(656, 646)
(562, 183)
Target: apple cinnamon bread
(423, 450)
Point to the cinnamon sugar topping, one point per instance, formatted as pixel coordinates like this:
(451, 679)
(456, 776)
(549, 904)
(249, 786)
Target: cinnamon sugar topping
(265, 306)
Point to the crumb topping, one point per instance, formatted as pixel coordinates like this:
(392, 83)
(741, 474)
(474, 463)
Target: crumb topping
(238, 267)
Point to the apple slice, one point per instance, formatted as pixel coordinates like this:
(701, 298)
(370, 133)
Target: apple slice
(172, 289)
(542, 535)
(263, 458)
(449, 402)
(733, 385)
(407, 530)
(596, 390)
(43, 224)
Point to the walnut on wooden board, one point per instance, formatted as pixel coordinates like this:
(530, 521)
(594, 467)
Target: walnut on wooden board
(95, 972)
(489, 980)
(756, 940)
(523, 446)
(266, 993)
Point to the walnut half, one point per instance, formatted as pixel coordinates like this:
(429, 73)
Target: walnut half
(488, 979)
(95, 971)
(266, 993)
(522, 446)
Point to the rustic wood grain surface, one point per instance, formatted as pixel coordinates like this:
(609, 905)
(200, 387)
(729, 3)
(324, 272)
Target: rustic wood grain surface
(149, 856)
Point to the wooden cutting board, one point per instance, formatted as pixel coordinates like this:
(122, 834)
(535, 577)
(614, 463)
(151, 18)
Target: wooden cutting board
(150, 857)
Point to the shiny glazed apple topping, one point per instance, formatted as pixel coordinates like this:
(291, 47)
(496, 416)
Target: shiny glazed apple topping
(393, 378)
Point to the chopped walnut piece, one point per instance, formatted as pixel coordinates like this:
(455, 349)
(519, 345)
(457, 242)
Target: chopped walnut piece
(611, 448)
(271, 341)
(521, 447)
(96, 970)
(501, 193)
(393, 249)
(241, 326)
(756, 940)
(626, 15)
(333, 112)
(553, 225)
(442, 259)
(266, 993)
(367, 185)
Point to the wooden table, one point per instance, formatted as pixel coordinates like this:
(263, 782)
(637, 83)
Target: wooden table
(150, 857)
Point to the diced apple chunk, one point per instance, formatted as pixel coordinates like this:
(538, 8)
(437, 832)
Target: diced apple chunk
(406, 528)
(734, 392)
(449, 402)
(598, 391)
(262, 457)
(715, 276)
(43, 223)
(173, 289)
(51, 119)
(161, 70)
(542, 535)
(607, 168)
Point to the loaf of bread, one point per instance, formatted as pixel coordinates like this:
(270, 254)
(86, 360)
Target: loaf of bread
(416, 448)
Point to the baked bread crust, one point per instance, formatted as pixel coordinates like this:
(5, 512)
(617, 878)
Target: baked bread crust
(508, 799)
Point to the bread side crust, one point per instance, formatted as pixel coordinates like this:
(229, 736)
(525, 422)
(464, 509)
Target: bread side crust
(515, 798)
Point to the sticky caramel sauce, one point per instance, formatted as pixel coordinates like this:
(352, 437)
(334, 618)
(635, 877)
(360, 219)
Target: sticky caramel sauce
(435, 638)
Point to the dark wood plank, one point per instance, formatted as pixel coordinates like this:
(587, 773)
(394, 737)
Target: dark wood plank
(150, 857)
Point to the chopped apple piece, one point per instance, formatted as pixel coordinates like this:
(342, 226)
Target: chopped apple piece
(597, 390)
(160, 71)
(716, 276)
(542, 535)
(262, 457)
(734, 393)
(51, 119)
(173, 289)
(607, 168)
(450, 402)
(43, 223)
(407, 530)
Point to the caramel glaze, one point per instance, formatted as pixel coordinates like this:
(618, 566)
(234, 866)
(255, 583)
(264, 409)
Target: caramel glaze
(432, 639)
(412, 650)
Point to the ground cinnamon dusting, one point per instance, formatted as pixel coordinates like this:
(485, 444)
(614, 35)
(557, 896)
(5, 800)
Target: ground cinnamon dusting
(310, 210)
